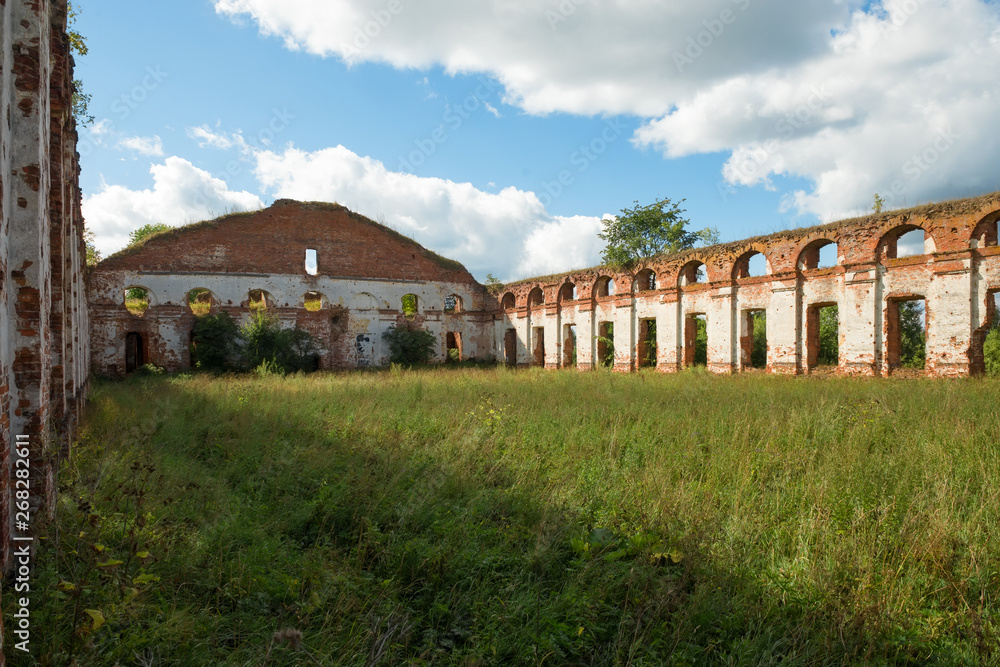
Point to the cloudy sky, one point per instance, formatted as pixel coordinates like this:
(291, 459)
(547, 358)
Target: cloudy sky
(500, 132)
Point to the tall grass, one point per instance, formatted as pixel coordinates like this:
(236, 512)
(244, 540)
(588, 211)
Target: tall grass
(499, 517)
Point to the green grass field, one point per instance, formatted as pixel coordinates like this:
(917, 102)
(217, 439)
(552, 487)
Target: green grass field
(492, 517)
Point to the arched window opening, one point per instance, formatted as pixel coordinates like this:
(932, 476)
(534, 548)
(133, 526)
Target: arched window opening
(137, 300)
(258, 299)
(906, 241)
(535, 298)
(751, 265)
(199, 300)
(364, 301)
(986, 233)
(906, 333)
(821, 254)
(567, 292)
(822, 336)
(507, 303)
(604, 286)
(409, 306)
(453, 304)
(645, 281)
(313, 301)
(694, 272)
(312, 262)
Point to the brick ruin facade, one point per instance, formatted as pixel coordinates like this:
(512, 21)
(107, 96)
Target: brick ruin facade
(44, 360)
(356, 291)
(364, 271)
(957, 275)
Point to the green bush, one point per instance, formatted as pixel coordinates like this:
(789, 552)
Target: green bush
(829, 336)
(265, 340)
(409, 345)
(913, 335)
(991, 352)
(758, 356)
(215, 343)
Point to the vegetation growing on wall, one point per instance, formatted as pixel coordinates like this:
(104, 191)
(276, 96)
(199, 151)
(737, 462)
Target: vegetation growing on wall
(409, 344)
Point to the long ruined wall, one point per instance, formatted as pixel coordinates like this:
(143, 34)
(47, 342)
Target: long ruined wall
(44, 336)
(362, 273)
(552, 321)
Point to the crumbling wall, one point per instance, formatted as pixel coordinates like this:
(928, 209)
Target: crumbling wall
(957, 274)
(43, 363)
(363, 270)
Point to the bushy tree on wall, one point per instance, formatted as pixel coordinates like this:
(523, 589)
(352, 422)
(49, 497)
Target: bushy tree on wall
(409, 344)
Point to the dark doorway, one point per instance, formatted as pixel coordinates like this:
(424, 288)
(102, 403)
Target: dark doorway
(135, 353)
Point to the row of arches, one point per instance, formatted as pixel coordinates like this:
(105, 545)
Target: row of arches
(902, 241)
(201, 300)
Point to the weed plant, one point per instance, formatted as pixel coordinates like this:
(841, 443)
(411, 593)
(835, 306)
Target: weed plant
(486, 516)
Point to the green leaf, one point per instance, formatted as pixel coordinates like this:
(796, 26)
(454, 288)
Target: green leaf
(110, 563)
(146, 579)
(143, 555)
(66, 586)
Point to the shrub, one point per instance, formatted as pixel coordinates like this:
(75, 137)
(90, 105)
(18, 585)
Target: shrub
(215, 344)
(409, 345)
(991, 352)
(265, 340)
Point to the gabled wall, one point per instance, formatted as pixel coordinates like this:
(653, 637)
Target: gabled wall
(363, 272)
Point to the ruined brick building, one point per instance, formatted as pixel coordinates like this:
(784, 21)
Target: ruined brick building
(44, 336)
(347, 279)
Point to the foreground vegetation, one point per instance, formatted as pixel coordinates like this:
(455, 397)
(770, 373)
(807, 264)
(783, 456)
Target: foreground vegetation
(495, 517)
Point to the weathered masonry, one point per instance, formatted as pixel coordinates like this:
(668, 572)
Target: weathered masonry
(347, 279)
(334, 273)
(44, 361)
(944, 255)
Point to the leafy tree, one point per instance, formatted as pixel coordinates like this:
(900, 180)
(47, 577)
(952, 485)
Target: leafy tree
(265, 341)
(493, 285)
(409, 344)
(215, 344)
(912, 334)
(93, 254)
(78, 46)
(640, 233)
(140, 234)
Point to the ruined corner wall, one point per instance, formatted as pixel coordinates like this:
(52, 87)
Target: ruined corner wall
(363, 272)
(44, 333)
(957, 274)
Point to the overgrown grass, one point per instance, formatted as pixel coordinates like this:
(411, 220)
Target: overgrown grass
(497, 517)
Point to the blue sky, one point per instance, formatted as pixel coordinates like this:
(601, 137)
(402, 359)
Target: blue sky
(455, 122)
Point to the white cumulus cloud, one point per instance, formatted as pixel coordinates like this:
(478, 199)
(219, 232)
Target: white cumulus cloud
(181, 193)
(508, 233)
(151, 146)
(898, 97)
